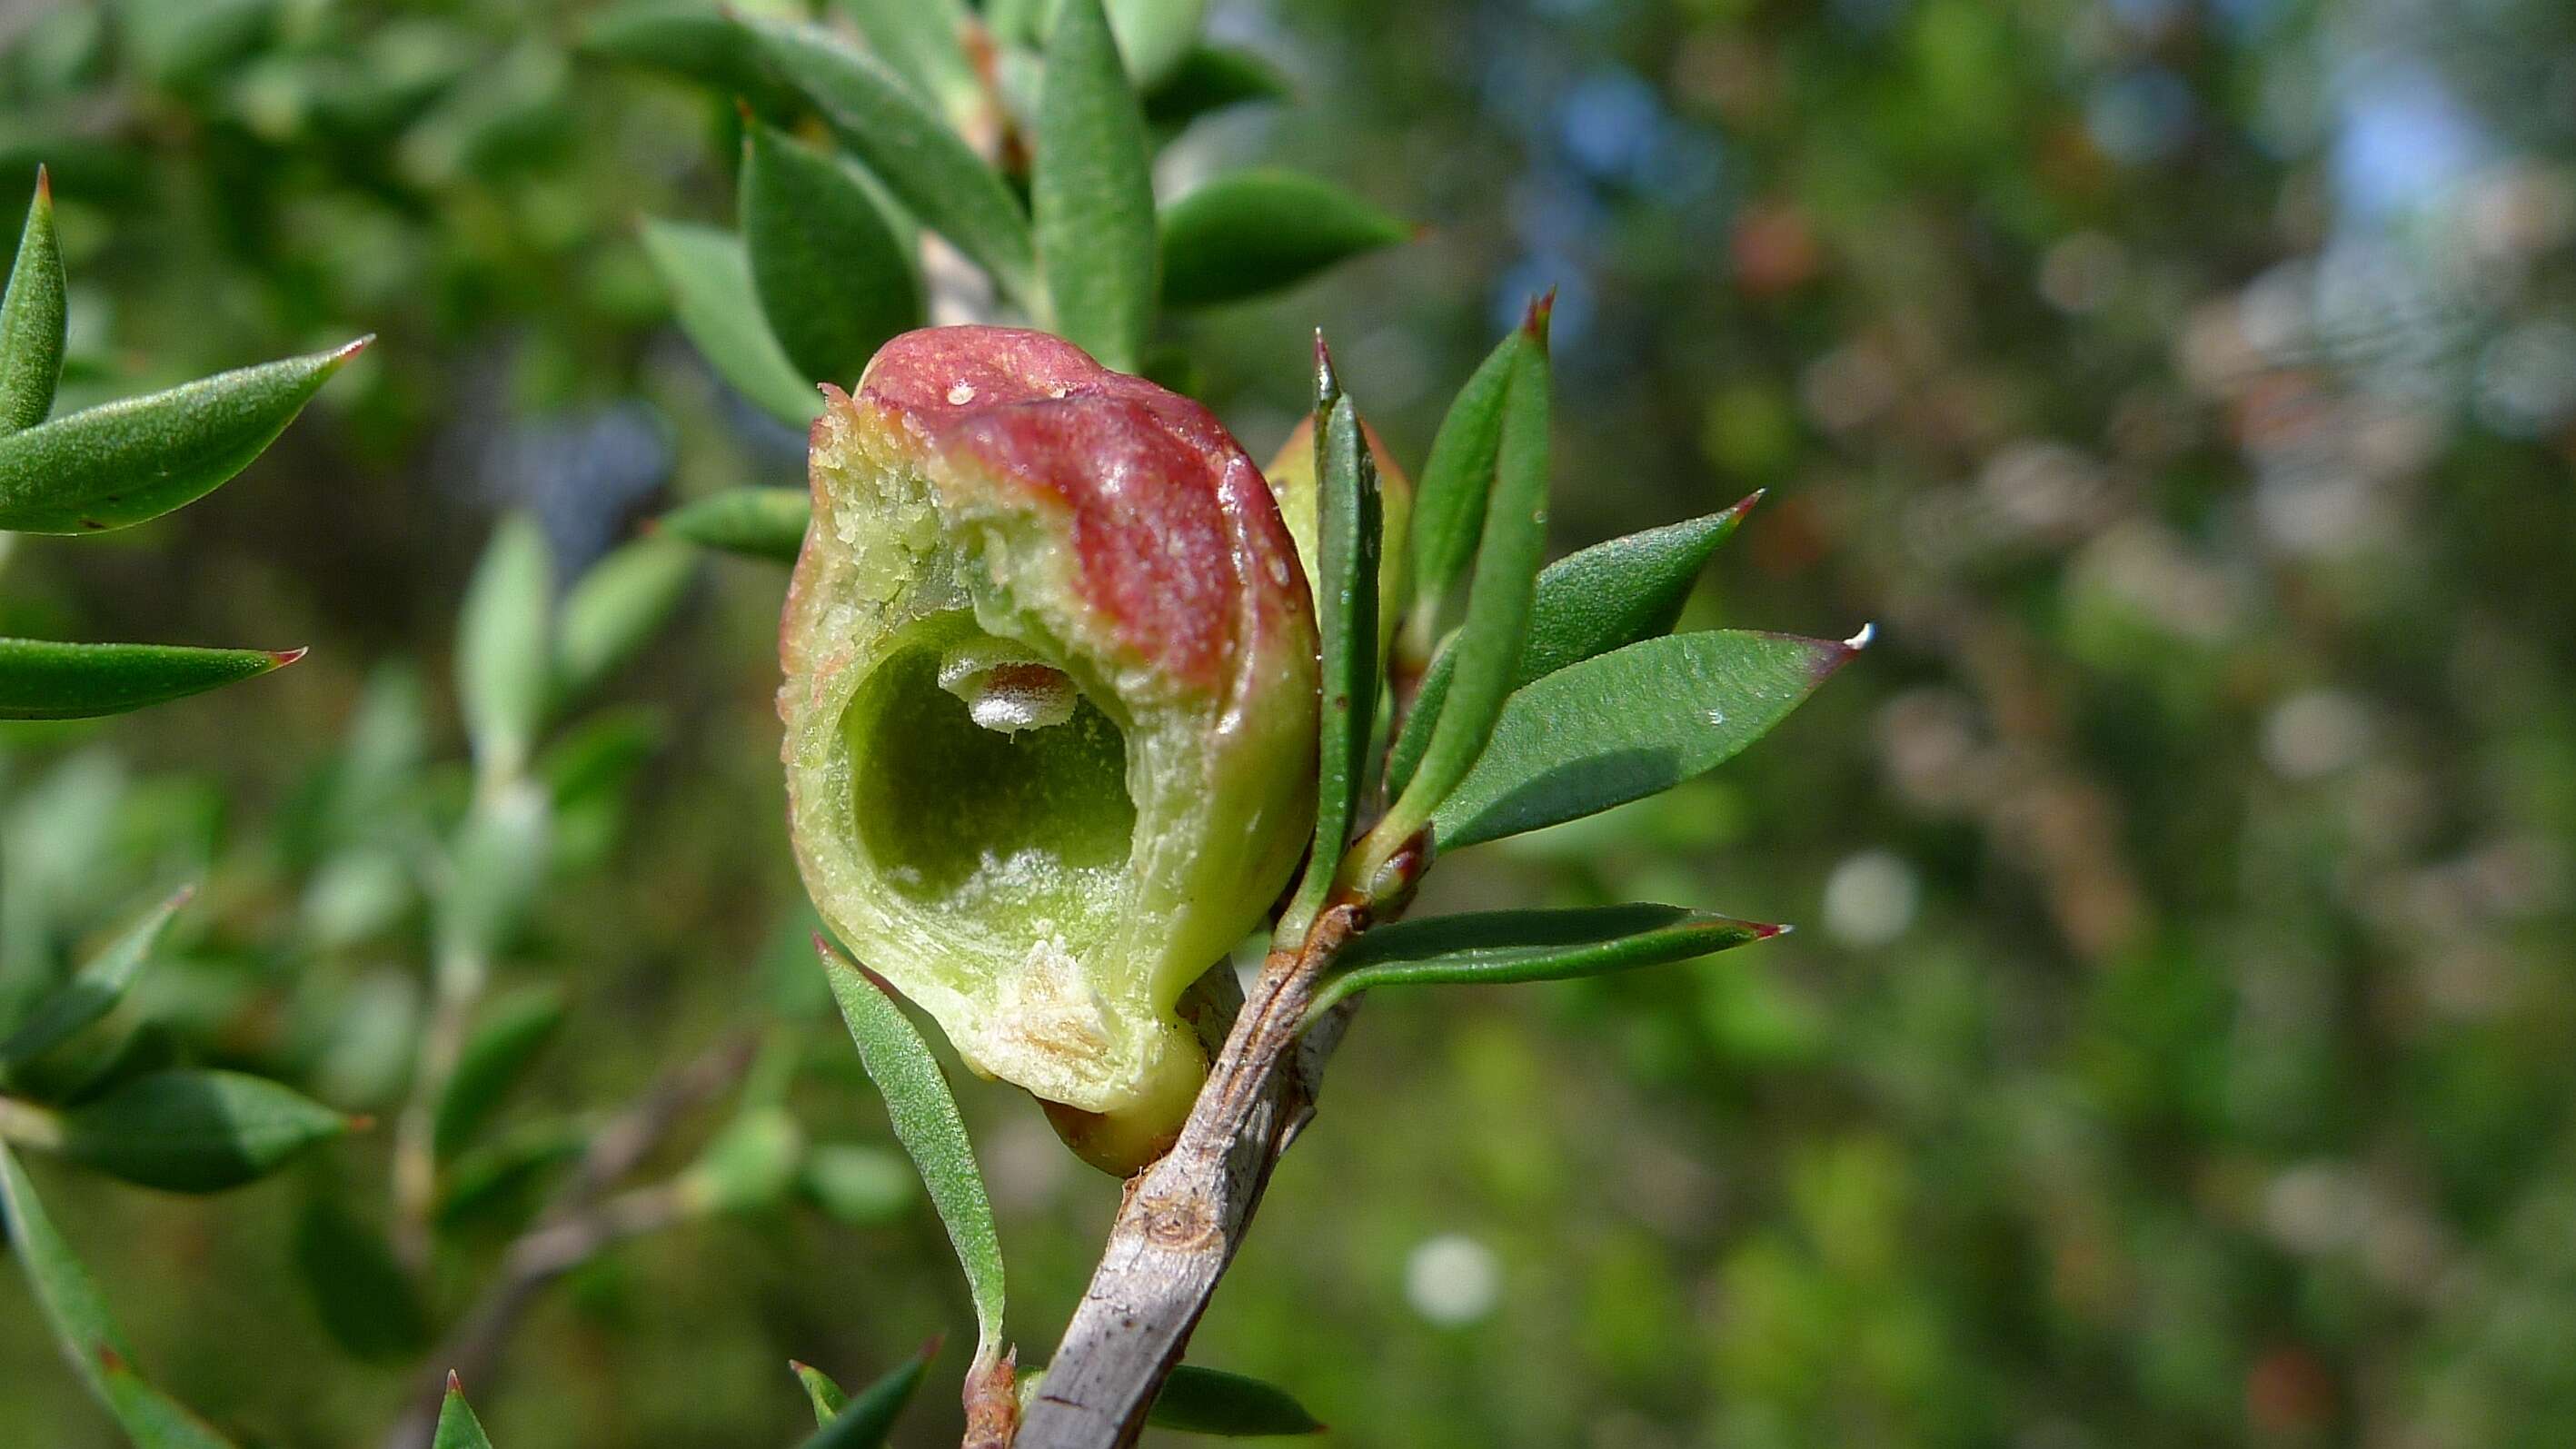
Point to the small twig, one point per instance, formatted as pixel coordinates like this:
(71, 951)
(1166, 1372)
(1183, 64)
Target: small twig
(575, 1229)
(1182, 1220)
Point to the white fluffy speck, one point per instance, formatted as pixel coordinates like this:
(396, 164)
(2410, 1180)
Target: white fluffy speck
(962, 394)
(1453, 1280)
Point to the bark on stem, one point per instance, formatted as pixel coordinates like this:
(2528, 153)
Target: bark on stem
(1182, 1219)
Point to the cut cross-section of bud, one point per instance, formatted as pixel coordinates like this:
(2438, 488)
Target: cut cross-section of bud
(1050, 709)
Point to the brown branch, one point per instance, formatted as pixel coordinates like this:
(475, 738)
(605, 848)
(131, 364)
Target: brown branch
(574, 1230)
(1182, 1220)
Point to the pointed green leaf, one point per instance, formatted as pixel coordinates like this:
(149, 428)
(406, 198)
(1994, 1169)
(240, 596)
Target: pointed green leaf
(1492, 642)
(457, 1426)
(1449, 499)
(1091, 189)
(1248, 233)
(1210, 78)
(923, 41)
(864, 1421)
(501, 1180)
(151, 1418)
(927, 1124)
(598, 757)
(513, 1031)
(1494, 947)
(820, 1391)
(695, 40)
(1154, 35)
(708, 275)
(31, 318)
(834, 280)
(94, 990)
(616, 608)
(754, 522)
(121, 463)
(503, 668)
(497, 868)
(936, 175)
(1349, 527)
(1607, 596)
(65, 1292)
(1630, 723)
(366, 1302)
(48, 679)
(195, 1131)
(1210, 1401)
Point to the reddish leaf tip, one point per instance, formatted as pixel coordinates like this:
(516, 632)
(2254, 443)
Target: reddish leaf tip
(454, 1384)
(112, 1361)
(280, 658)
(1764, 932)
(930, 1347)
(348, 350)
(1861, 640)
(44, 185)
(798, 1366)
(649, 527)
(361, 1122)
(180, 897)
(1542, 312)
(1743, 505)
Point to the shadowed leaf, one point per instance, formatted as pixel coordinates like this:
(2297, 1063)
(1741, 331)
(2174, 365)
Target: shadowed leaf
(513, 1031)
(1210, 78)
(366, 1302)
(708, 275)
(927, 1124)
(755, 522)
(195, 1131)
(94, 990)
(933, 172)
(1210, 1401)
(922, 41)
(865, 1420)
(1248, 233)
(120, 463)
(1348, 530)
(1092, 192)
(695, 40)
(1450, 497)
(46, 679)
(1505, 946)
(834, 278)
(1630, 723)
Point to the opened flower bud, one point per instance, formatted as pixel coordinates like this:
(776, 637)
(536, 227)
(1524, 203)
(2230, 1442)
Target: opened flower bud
(1050, 708)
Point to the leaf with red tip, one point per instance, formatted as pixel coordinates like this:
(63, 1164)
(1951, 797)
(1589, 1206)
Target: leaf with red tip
(1628, 724)
(820, 1391)
(93, 991)
(1495, 947)
(73, 1307)
(1605, 597)
(120, 463)
(32, 318)
(49, 679)
(1349, 525)
(457, 1426)
(1449, 501)
(195, 1131)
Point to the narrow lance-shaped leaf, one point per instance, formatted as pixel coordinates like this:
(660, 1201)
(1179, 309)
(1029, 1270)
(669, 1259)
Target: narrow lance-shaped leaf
(1491, 643)
(1609, 595)
(1092, 191)
(1631, 723)
(366, 1302)
(94, 990)
(1210, 78)
(1252, 232)
(695, 40)
(1154, 35)
(513, 1031)
(926, 1123)
(708, 275)
(121, 463)
(49, 679)
(457, 1426)
(90, 1338)
(1348, 530)
(835, 281)
(195, 1131)
(1449, 500)
(820, 1391)
(32, 318)
(502, 661)
(865, 1419)
(1495, 947)
(615, 609)
(754, 522)
(1211, 1401)
(924, 41)
(933, 172)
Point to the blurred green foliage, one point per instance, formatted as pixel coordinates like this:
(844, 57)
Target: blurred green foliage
(2174, 1048)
